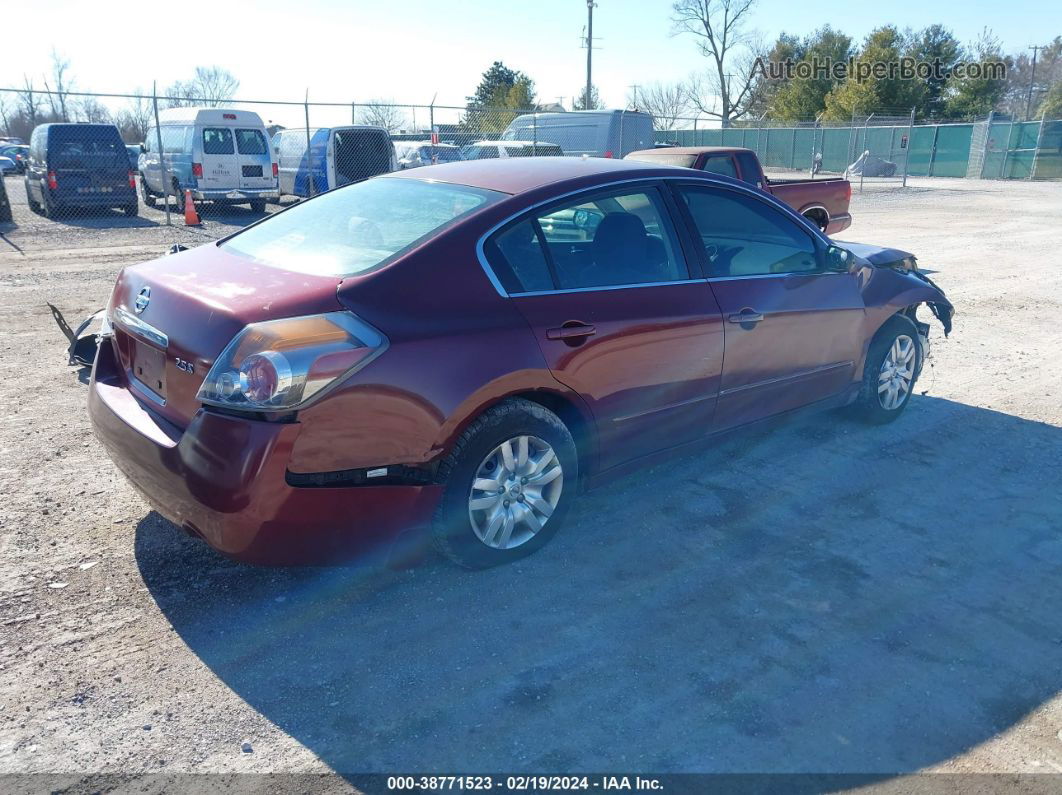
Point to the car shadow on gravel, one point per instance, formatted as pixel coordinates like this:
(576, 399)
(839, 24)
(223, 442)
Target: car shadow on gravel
(825, 598)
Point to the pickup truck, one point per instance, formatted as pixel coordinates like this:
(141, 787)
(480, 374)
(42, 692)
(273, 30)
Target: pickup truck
(824, 202)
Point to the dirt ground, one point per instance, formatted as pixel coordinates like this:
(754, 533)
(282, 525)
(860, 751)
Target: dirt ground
(824, 597)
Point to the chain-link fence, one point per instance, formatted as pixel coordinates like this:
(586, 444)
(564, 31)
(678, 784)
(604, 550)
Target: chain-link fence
(100, 170)
(993, 148)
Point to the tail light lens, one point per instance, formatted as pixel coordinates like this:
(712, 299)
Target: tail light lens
(132, 180)
(275, 170)
(52, 183)
(608, 153)
(281, 365)
(197, 169)
(848, 192)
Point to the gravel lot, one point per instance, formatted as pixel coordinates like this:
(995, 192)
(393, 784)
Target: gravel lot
(825, 597)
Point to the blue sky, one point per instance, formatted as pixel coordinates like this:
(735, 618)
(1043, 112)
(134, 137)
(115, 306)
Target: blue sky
(411, 50)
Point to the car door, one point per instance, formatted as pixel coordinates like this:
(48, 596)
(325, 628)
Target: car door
(620, 318)
(256, 166)
(792, 326)
(220, 165)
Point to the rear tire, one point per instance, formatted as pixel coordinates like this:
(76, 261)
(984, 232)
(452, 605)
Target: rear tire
(178, 196)
(33, 203)
(890, 372)
(132, 210)
(47, 210)
(258, 206)
(478, 526)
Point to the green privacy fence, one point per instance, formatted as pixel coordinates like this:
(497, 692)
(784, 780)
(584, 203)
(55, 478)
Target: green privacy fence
(992, 149)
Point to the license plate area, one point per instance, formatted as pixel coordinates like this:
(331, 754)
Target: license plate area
(252, 171)
(149, 368)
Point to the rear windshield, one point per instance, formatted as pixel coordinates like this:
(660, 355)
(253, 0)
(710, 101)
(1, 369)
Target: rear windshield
(353, 229)
(217, 141)
(78, 147)
(665, 159)
(250, 142)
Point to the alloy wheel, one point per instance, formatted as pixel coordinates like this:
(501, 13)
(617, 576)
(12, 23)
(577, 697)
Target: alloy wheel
(514, 492)
(897, 373)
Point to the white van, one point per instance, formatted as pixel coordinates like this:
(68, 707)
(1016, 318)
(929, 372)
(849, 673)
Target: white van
(482, 150)
(337, 156)
(221, 155)
(596, 133)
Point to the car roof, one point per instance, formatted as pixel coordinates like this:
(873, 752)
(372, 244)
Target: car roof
(691, 150)
(521, 174)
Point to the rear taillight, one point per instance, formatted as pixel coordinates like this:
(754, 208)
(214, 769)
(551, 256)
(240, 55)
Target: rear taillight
(608, 153)
(52, 183)
(132, 180)
(197, 169)
(280, 365)
(275, 170)
(848, 192)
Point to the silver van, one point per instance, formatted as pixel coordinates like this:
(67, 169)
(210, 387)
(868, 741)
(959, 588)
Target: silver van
(221, 155)
(334, 155)
(596, 133)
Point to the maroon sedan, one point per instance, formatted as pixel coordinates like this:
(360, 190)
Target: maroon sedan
(463, 348)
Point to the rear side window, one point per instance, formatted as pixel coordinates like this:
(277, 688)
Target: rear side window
(217, 141)
(609, 240)
(720, 165)
(520, 263)
(251, 142)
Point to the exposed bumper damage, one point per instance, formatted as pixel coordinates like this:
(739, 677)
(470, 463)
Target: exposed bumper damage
(906, 263)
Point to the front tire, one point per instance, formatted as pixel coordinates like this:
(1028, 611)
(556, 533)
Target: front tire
(890, 372)
(508, 483)
(145, 193)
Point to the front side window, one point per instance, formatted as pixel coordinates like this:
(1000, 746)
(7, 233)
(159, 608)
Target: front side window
(743, 236)
(609, 240)
(356, 228)
(251, 142)
(720, 165)
(217, 141)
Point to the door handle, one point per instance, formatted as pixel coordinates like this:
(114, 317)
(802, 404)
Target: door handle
(571, 331)
(746, 316)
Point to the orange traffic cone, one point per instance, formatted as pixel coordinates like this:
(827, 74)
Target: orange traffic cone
(191, 217)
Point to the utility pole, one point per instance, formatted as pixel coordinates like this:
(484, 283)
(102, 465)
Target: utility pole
(1032, 81)
(635, 88)
(589, 51)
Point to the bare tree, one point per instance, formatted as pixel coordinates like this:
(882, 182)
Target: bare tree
(30, 102)
(718, 26)
(93, 111)
(382, 113)
(667, 102)
(211, 87)
(135, 119)
(62, 82)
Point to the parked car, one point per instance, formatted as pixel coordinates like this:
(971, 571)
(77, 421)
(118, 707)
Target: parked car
(19, 153)
(595, 133)
(134, 151)
(824, 202)
(339, 156)
(79, 166)
(481, 150)
(10, 139)
(220, 155)
(417, 351)
(5, 205)
(7, 166)
(413, 154)
(868, 165)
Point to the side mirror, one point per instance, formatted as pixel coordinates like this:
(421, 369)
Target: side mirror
(143, 149)
(838, 259)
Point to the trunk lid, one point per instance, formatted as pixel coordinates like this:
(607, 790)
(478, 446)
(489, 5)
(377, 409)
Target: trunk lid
(191, 306)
